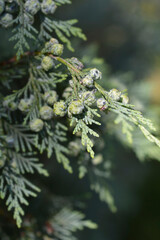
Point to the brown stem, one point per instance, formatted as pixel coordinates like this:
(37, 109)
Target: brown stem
(14, 59)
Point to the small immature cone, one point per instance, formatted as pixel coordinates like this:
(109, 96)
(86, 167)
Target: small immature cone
(46, 113)
(95, 74)
(36, 125)
(47, 63)
(76, 107)
(87, 81)
(60, 108)
(125, 99)
(102, 104)
(57, 49)
(50, 97)
(115, 94)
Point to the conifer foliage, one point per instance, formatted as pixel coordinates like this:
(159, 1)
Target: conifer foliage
(57, 111)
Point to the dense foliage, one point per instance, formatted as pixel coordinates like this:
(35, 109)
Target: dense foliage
(57, 105)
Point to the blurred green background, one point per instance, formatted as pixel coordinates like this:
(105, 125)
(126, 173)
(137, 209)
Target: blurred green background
(128, 37)
(126, 34)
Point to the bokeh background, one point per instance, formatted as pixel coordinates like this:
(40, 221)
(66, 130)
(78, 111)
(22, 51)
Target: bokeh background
(127, 35)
